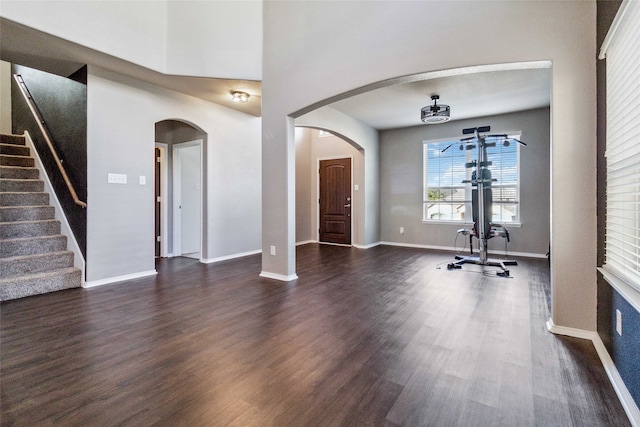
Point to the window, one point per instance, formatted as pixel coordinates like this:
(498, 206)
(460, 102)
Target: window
(448, 198)
(622, 235)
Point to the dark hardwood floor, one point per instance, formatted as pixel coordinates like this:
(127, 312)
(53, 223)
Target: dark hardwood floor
(377, 337)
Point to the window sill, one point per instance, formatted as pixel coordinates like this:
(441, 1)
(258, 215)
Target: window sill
(469, 224)
(628, 292)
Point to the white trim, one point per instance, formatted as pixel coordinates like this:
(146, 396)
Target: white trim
(451, 249)
(627, 291)
(344, 245)
(177, 217)
(72, 243)
(629, 405)
(613, 29)
(306, 242)
(164, 197)
(369, 246)
(228, 257)
(280, 277)
(109, 280)
(570, 332)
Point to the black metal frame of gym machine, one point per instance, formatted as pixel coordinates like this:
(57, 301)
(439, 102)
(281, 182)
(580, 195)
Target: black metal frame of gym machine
(482, 181)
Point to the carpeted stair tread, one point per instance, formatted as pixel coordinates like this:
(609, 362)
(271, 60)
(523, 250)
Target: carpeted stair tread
(33, 254)
(21, 185)
(40, 283)
(23, 199)
(29, 264)
(14, 229)
(9, 160)
(26, 213)
(32, 245)
(19, 172)
(12, 139)
(14, 149)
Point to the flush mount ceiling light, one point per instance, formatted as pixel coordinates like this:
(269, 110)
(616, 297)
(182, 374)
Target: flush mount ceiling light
(432, 114)
(237, 96)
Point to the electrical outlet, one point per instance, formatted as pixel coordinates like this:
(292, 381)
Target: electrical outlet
(619, 322)
(273, 250)
(401, 230)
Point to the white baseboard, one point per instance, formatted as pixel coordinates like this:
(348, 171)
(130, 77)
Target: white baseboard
(305, 242)
(94, 283)
(452, 249)
(228, 257)
(369, 246)
(280, 277)
(629, 405)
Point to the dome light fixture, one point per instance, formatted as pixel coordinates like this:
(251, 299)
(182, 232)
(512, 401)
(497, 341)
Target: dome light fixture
(238, 96)
(433, 114)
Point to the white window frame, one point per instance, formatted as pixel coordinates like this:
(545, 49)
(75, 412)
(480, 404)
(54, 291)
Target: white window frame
(621, 48)
(466, 201)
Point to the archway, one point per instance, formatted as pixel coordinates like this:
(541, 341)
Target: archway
(170, 136)
(315, 145)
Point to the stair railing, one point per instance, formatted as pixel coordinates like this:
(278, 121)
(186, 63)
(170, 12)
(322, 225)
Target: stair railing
(41, 124)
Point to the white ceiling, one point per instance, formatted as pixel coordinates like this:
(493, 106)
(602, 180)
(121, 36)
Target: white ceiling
(469, 94)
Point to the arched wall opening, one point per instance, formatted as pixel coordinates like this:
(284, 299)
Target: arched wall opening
(169, 134)
(312, 146)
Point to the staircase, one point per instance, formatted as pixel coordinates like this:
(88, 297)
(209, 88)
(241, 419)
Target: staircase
(33, 254)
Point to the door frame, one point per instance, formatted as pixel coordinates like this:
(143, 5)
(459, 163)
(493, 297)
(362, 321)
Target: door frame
(177, 216)
(350, 157)
(164, 197)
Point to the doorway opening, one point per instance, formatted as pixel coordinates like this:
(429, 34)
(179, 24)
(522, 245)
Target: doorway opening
(187, 199)
(181, 184)
(330, 193)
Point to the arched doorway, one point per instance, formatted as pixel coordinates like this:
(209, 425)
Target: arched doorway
(317, 149)
(181, 189)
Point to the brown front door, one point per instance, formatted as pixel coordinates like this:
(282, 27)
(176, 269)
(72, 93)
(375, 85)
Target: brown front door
(335, 201)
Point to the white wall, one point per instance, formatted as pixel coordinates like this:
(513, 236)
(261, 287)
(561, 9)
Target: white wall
(317, 50)
(122, 113)
(195, 38)
(5, 97)
(134, 31)
(215, 38)
(304, 191)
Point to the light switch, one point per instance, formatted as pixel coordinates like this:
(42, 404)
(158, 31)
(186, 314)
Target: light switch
(143, 180)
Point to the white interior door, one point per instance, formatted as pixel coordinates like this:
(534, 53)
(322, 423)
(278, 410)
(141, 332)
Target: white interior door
(188, 198)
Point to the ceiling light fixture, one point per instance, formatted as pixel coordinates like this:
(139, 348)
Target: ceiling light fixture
(237, 96)
(433, 114)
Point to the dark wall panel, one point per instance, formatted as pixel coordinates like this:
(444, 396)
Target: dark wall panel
(62, 102)
(626, 347)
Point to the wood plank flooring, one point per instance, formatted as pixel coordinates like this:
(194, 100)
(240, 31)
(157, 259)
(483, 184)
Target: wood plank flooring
(377, 337)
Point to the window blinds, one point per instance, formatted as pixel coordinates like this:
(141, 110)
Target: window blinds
(622, 50)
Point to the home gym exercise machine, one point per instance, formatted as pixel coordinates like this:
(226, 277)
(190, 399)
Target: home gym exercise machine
(482, 200)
